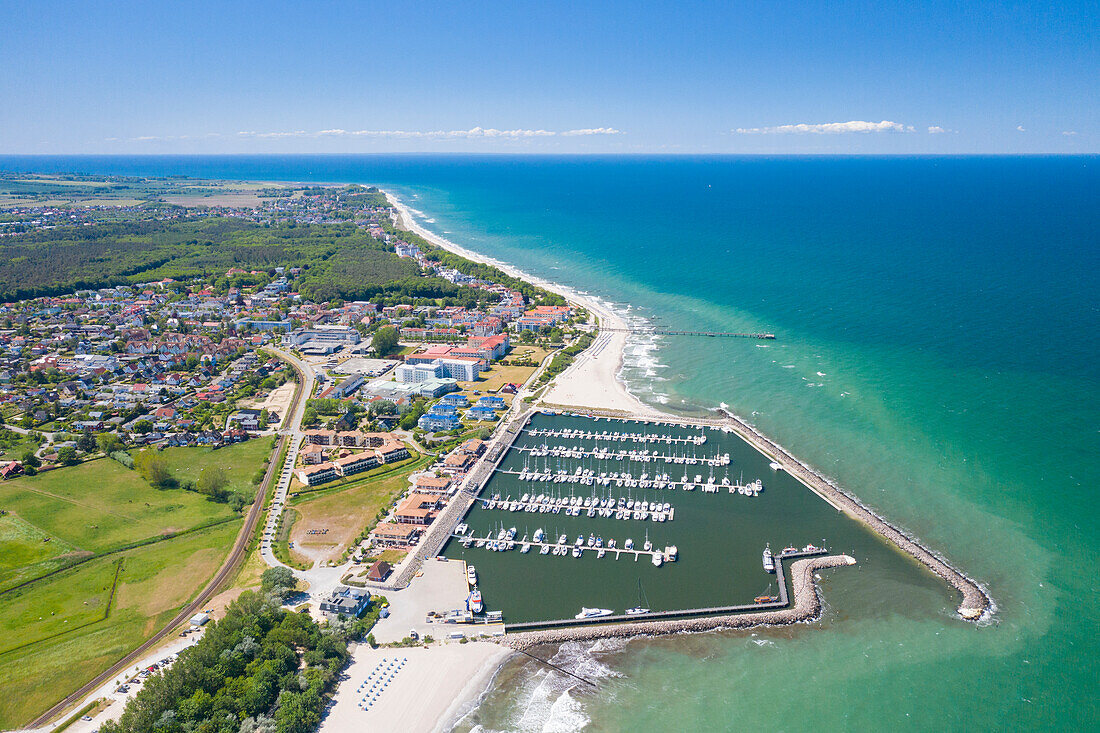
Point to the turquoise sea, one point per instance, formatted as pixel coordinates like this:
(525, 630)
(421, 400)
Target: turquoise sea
(938, 344)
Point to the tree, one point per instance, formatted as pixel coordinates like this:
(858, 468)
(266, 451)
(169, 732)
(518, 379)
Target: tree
(66, 456)
(87, 442)
(279, 581)
(382, 407)
(143, 426)
(108, 442)
(212, 482)
(309, 417)
(30, 459)
(384, 341)
(527, 336)
(154, 468)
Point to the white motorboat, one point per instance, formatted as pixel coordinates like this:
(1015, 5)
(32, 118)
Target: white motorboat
(593, 612)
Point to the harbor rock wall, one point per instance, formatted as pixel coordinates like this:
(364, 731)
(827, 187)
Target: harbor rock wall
(806, 606)
(976, 603)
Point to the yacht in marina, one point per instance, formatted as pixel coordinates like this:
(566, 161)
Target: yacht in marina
(474, 603)
(593, 613)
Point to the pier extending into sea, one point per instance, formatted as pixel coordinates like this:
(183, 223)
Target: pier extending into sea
(668, 332)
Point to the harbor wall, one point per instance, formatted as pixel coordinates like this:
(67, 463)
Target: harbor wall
(976, 604)
(806, 607)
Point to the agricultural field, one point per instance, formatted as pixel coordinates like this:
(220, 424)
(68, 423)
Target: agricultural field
(93, 561)
(101, 505)
(70, 626)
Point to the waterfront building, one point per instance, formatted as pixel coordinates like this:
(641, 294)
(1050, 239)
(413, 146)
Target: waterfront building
(481, 412)
(345, 601)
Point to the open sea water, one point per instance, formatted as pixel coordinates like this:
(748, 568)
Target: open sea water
(937, 354)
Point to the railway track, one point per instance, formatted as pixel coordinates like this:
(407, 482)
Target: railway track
(225, 572)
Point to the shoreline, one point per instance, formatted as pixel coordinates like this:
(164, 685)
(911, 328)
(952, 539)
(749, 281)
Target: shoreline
(593, 384)
(585, 386)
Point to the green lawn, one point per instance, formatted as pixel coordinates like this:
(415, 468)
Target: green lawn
(55, 629)
(102, 505)
(240, 462)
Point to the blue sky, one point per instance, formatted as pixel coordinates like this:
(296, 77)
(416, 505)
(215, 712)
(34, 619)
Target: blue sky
(733, 77)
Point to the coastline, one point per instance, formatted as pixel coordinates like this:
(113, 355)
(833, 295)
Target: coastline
(595, 383)
(592, 380)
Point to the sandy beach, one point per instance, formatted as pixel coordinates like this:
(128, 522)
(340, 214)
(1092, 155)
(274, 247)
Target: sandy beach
(411, 690)
(593, 379)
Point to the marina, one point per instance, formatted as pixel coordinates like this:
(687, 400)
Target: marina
(575, 514)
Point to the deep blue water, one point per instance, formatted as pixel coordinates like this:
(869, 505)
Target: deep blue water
(937, 353)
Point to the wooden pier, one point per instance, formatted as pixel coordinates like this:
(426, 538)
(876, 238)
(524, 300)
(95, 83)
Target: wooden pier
(710, 334)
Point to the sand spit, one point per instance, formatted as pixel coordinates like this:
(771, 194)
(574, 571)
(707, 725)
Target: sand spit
(806, 607)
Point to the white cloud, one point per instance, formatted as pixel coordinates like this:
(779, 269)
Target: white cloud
(826, 128)
(936, 130)
(592, 131)
(1069, 133)
(1020, 128)
(473, 132)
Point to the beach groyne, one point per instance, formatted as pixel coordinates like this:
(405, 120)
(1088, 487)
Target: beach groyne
(806, 607)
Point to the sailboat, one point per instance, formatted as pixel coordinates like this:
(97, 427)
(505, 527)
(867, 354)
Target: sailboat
(639, 609)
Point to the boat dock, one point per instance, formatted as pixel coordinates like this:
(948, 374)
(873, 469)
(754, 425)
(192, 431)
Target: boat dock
(666, 555)
(551, 505)
(577, 434)
(783, 602)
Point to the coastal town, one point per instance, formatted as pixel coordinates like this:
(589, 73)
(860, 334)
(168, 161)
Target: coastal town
(405, 463)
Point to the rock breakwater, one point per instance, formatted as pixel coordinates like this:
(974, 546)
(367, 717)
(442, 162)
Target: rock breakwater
(806, 606)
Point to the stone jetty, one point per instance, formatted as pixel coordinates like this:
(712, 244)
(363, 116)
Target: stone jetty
(976, 603)
(806, 606)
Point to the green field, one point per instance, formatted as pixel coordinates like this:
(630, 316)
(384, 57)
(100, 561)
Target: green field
(23, 545)
(142, 554)
(55, 629)
(240, 462)
(102, 505)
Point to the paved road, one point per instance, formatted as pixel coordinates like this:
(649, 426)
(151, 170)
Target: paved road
(291, 431)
